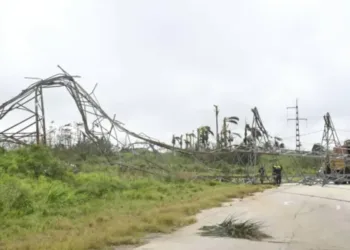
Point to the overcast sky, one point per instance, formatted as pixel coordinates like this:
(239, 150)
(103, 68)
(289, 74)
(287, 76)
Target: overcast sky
(161, 65)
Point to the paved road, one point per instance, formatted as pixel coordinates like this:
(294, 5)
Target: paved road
(298, 217)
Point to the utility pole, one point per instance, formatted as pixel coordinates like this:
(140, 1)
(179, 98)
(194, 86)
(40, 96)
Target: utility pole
(217, 126)
(297, 119)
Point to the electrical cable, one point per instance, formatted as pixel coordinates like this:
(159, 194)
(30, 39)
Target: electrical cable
(292, 136)
(343, 130)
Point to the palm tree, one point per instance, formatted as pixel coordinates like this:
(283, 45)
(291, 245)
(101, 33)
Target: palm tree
(179, 139)
(80, 136)
(203, 135)
(217, 125)
(231, 137)
(255, 134)
(278, 142)
(187, 141)
(65, 135)
(318, 148)
(173, 141)
(192, 138)
(51, 134)
(225, 133)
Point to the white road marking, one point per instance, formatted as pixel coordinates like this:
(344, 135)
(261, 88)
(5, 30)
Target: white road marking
(338, 207)
(286, 203)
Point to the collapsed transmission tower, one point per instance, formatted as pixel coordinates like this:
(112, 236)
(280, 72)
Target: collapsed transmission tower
(337, 161)
(258, 124)
(32, 127)
(330, 136)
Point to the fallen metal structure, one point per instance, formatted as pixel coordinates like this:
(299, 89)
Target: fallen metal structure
(97, 125)
(31, 100)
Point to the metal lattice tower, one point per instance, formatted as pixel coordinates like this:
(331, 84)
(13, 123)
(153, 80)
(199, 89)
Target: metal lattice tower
(257, 123)
(330, 136)
(297, 120)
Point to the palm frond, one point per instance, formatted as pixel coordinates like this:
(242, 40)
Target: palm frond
(232, 121)
(234, 228)
(236, 134)
(233, 118)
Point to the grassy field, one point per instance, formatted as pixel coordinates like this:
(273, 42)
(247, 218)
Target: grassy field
(45, 205)
(224, 163)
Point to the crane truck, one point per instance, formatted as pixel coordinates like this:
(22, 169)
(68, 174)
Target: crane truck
(337, 164)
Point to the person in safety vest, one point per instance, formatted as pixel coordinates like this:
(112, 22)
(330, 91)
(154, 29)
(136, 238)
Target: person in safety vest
(277, 169)
(274, 173)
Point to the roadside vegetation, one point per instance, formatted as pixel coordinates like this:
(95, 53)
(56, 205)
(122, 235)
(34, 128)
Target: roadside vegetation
(46, 202)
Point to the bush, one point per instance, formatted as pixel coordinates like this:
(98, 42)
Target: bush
(15, 198)
(32, 161)
(58, 194)
(98, 185)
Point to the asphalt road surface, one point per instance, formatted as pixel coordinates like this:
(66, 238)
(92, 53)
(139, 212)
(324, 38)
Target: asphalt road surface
(297, 217)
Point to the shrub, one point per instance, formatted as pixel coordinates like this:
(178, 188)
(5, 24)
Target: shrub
(99, 184)
(33, 161)
(60, 194)
(15, 198)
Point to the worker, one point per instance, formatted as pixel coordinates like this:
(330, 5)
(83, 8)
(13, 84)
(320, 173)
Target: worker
(274, 173)
(262, 174)
(278, 173)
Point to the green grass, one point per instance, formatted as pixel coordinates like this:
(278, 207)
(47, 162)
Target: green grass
(222, 163)
(99, 210)
(44, 205)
